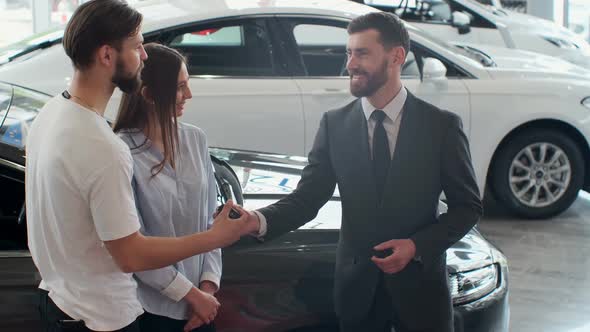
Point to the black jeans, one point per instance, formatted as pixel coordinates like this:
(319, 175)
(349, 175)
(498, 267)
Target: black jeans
(55, 320)
(155, 323)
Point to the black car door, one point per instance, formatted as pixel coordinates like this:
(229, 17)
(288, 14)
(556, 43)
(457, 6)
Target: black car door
(19, 278)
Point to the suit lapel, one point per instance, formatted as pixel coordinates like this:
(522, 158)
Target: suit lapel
(409, 129)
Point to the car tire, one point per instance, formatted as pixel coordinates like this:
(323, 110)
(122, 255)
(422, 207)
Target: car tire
(538, 173)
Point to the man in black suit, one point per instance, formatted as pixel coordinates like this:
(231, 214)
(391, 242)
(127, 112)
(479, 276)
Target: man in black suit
(391, 155)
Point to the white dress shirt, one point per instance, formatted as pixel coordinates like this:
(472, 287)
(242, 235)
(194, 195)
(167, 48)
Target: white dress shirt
(391, 122)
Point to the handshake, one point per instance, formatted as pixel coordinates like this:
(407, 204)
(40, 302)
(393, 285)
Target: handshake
(232, 222)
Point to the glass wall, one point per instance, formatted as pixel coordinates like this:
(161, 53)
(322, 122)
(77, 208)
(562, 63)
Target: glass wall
(16, 20)
(23, 18)
(579, 17)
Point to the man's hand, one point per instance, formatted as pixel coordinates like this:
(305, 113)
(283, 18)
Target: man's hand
(202, 307)
(252, 223)
(227, 230)
(208, 287)
(403, 252)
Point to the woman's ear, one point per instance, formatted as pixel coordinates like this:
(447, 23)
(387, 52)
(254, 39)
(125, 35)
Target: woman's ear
(146, 95)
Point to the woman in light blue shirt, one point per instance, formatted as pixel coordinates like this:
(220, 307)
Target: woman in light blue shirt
(175, 192)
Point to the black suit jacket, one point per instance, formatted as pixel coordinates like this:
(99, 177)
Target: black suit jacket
(431, 155)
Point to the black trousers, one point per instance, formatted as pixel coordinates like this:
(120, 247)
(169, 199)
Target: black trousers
(382, 316)
(55, 320)
(155, 323)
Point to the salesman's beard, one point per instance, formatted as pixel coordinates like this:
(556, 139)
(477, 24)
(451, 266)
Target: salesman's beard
(369, 83)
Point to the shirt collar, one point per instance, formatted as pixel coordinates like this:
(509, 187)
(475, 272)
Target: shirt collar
(391, 110)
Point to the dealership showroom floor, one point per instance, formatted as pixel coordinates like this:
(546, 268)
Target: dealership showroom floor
(549, 266)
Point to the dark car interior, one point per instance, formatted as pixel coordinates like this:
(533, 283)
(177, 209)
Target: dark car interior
(13, 230)
(13, 233)
(247, 50)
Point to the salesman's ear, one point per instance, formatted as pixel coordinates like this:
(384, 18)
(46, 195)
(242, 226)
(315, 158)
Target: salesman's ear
(398, 56)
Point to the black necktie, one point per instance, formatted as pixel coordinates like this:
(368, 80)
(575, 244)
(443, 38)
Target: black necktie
(381, 156)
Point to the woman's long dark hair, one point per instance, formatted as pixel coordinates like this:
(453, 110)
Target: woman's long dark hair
(159, 81)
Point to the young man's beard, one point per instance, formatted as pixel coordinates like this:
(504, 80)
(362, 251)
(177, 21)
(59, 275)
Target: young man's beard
(127, 83)
(373, 82)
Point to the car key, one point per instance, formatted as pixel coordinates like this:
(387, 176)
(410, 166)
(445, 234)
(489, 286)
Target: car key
(233, 213)
(383, 253)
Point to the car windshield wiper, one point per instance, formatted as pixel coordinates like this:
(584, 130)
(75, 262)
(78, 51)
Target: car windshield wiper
(480, 56)
(33, 48)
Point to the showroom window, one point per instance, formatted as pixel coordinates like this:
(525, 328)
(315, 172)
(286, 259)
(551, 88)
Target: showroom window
(227, 50)
(579, 17)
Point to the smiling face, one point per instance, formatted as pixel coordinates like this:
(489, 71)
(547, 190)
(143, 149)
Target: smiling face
(370, 65)
(183, 91)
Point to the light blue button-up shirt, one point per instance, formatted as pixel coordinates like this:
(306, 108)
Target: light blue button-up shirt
(175, 202)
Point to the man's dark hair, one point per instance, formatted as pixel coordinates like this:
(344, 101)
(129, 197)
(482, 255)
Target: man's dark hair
(392, 31)
(97, 23)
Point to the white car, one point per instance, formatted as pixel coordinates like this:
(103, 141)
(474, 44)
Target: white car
(471, 22)
(262, 74)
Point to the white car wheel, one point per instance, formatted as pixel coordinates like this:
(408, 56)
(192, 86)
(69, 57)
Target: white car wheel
(538, 173)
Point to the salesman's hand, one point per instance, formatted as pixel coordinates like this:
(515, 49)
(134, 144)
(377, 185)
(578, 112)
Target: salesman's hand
(227, 230)
(403, 252)
(252, 223)
(202, 308)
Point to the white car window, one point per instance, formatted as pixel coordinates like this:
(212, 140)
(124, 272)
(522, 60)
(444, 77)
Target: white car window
(410, 68)
(317, 35)
(441, 12)
(323, 51)
(322, 48)
(235, 49)
(226, 36)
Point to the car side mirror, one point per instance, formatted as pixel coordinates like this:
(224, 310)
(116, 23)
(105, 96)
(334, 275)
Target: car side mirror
(228, 184)
(462, 22)
(433, 69)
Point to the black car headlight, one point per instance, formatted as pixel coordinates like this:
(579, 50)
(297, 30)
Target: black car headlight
(472, 285)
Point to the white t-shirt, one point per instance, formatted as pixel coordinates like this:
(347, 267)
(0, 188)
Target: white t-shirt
(78, 190)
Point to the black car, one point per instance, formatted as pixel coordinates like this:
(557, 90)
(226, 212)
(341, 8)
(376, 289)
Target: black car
(280, 285)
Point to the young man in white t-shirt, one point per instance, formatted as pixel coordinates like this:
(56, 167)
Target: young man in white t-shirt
(82, 220)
